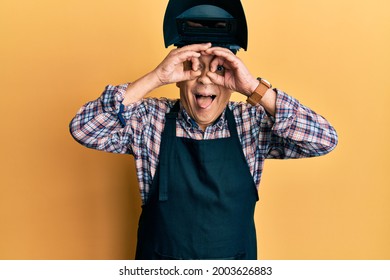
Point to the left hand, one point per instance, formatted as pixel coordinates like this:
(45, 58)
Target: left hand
(237, 77)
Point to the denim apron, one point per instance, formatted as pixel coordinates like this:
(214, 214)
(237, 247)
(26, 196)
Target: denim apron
(202, 199)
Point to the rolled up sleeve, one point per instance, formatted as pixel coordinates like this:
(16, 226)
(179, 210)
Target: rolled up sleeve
(102, 124)
(298, 131)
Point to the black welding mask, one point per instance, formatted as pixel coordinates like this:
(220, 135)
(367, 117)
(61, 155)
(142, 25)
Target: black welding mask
(221, 22)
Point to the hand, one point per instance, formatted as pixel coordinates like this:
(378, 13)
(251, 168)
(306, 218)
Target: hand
(171, 69)
(236, 76)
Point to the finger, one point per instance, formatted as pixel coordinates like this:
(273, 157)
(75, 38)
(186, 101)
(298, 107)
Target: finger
(216, 62)
(186, 55)
(196, 47)
(191, 64)
(216, 79)
(231, 61)
(223, 52)
(219, 49)
(225, 58)
(190, 75)
(195, 63)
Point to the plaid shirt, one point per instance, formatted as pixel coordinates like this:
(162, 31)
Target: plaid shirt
(105, 124)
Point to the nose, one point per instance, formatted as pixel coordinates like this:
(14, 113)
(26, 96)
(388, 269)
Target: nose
(203, 78)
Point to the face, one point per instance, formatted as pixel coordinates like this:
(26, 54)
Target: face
(201, 98)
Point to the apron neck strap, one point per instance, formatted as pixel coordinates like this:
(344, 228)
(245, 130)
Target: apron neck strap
(173, 113)
(231, 123)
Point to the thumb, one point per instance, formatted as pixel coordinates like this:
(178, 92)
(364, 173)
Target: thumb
(190, 75)
(216, 79)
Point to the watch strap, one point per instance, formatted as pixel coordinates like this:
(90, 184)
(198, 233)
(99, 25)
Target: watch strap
(259, 92)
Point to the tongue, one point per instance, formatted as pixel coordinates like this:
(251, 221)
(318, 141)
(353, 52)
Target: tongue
(204, 101)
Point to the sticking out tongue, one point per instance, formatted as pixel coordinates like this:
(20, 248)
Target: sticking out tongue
(204, 101)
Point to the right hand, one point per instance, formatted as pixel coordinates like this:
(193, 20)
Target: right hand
(171, 69)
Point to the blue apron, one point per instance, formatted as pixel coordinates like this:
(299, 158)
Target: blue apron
(202, 199)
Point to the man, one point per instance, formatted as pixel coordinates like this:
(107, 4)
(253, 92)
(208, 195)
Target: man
(199, 159)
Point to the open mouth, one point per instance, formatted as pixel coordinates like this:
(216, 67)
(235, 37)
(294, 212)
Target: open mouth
(197, 96)
(204, 101)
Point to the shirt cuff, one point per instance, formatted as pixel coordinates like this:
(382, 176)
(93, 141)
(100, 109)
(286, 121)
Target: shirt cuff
(112, 98)
(124, 112)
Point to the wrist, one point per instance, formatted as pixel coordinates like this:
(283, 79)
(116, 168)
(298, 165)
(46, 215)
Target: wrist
(154, 79)
(255, 83)
(260, 90)
(138, 89)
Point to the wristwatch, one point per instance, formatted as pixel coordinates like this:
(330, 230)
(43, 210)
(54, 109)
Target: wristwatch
(259, 92)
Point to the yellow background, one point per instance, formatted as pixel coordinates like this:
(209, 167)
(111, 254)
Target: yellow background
(59, 200)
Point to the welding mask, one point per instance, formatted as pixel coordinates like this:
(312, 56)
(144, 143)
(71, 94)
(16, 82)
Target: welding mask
(221, 22)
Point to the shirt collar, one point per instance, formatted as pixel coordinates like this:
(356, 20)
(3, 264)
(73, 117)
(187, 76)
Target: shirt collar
(190, 122)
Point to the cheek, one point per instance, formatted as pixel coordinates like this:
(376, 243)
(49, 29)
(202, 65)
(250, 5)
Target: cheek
(185, 89)
(185, 97)
(225, 96)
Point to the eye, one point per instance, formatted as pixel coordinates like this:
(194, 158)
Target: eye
(220, 69)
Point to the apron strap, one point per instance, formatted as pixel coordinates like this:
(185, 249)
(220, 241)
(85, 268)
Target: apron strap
(169, 134)
(233, 133)
(231, 123)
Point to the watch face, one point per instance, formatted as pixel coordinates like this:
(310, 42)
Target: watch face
(266, 83)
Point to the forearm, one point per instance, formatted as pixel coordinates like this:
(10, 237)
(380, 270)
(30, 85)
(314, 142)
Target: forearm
(269, 102)
(141, 87)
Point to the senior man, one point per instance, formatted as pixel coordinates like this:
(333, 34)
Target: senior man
(199, 159)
